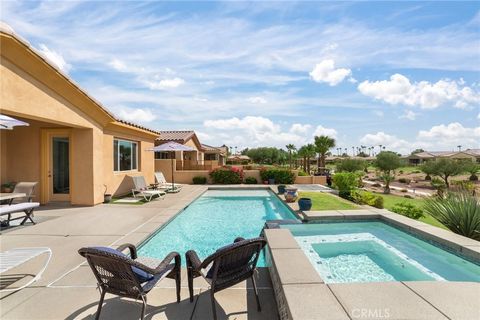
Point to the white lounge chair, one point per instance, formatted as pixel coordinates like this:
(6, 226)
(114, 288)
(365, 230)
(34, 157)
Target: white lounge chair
(142, 189)
(24, 187)
(167, 186)
(15, 257)
(26, 207)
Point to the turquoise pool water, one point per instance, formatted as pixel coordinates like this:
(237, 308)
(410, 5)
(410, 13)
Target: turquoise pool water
(374, 251)
(214, 220)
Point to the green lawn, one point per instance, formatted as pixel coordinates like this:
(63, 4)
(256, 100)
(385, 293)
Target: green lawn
(325, 201)
(391, 200)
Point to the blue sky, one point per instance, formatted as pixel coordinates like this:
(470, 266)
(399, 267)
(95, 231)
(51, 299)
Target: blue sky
(400, 74)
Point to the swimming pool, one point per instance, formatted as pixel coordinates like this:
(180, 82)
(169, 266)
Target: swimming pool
(214, 220)
(374, 251)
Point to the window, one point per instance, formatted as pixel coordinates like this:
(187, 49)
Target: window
(163, 155)
(125, 156)
(210, 156)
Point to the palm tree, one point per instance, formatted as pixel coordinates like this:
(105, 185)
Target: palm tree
(290, 147)
(310, 152)
(322, 145)
(302, 153)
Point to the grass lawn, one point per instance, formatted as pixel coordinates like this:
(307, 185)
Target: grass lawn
(326, 201)
(391, 200)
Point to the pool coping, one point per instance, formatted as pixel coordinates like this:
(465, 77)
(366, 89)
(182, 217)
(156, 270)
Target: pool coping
(301, 293)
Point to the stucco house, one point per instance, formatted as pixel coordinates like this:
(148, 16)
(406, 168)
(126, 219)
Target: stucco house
(421, 157)
(203, 157)
(74, 147)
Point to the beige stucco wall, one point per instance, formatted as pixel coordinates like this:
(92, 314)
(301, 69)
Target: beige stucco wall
(119, 183)
(33, 91)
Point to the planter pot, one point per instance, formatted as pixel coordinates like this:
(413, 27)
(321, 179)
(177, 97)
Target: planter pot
(281, 189)
(265, 182)
(7, 190)
(107, 198)
(271, 181)
(291, 194)
(305, 204)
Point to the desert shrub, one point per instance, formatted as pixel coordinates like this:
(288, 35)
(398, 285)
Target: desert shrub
(416, 171)
(199, 180)
(376, 185)
(408, 196)
(351, 165)
(403, 190)
(251, 180)
(281, 176)
(226, 175)
(458, 211)
(472, 168)
(408, 210)
(365, 197)
(345, 183)
(404, 180)
(400, 171)
(302, 173)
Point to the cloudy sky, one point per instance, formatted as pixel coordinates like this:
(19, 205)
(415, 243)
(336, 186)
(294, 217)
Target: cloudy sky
(400, 74)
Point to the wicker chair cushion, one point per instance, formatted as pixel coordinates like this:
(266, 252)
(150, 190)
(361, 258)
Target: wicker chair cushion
(141, 275)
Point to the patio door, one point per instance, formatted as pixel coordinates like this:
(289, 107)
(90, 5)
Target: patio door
(57, 165)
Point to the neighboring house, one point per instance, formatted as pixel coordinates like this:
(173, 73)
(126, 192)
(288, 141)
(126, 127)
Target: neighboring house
(239, 159)
(203, 157)
(73, 146)
(421, 157)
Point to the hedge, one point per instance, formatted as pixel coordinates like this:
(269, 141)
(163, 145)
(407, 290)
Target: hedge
(227, 175)
(281, 176)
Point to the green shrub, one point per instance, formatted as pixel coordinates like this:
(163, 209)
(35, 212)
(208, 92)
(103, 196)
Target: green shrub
(302, 173)
(404, 180)
(408, 210)
(458, 211)
(281, 176)
(251, 180)
(351, 165)
(345, 183)
(376, 185)
(439, 185)
(460, 185)
(365, 197)
(227, 175)
(408, 196)
(199, 180)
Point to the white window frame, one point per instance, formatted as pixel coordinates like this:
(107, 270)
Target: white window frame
(118, 154)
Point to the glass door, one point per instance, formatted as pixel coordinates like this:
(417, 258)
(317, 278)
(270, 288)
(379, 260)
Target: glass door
(59, 173)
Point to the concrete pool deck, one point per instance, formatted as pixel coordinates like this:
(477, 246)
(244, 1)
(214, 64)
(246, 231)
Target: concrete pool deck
(68, 289)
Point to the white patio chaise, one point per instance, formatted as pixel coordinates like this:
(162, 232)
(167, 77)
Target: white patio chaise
(141, 188)
(163, 184)
(15, 257)
(24, 187)
(26, 207)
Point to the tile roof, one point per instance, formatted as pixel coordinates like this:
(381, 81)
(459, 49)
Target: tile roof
(180, 135)
(473, 152)
(221, 150)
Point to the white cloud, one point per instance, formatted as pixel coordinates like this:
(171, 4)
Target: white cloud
(378, 113)
(426, 95)
(451, 135)
(164, 84)
(478, 117)
(118, 65)
(322, 131)
(389, 141)
(325, 72)
(135, 114)
(409, 115)
(257, 100)
(301, 129)
(252, 131)
(55, 58)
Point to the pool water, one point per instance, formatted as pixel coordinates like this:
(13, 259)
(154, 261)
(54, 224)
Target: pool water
(214, 220)
(375, 252)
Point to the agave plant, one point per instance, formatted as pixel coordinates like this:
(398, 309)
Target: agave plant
(458, 211)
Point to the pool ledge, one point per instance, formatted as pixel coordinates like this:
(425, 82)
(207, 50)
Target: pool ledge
(300, 293)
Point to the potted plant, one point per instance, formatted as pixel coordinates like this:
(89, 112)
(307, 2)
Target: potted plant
(271, 181)
(305, 204)
(291, 194)
(8, 187)
(281, 188)
(107, 197)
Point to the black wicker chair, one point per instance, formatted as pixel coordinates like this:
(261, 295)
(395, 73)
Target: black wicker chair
(226, 267)
(130, 277)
